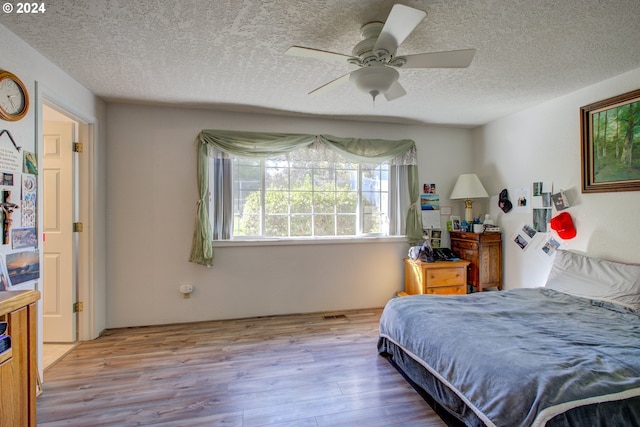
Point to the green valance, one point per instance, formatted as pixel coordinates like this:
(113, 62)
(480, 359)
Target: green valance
(253, 144)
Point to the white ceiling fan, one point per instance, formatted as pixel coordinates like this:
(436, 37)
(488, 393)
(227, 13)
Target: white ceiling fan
(375, 55)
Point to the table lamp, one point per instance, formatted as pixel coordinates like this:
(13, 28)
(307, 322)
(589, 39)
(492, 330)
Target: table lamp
(468, 187)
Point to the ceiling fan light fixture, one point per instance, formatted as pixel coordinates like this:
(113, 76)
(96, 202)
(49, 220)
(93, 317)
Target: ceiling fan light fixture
(375, 79)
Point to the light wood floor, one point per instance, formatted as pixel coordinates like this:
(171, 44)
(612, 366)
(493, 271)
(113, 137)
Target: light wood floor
(51, 353)
(282, 371)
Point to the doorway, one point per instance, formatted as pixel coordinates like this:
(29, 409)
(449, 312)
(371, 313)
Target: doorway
(61, 201)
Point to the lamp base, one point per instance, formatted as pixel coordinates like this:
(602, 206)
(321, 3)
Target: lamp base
(468, 211)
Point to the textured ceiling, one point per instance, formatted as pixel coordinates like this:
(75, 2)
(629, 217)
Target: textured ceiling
(229, 54)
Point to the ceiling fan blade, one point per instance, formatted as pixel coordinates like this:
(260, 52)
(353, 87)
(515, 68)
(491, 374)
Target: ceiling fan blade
(451, 59)
(401, 22)
(331, 85)
(395, 91)
(308, 52)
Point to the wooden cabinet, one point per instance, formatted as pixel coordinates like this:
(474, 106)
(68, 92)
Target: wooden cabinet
(440, 277)
(18, 367)
(484, 252)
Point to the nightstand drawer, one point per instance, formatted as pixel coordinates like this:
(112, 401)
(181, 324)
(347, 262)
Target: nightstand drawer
(445, 277)
(447, 290)
(463, 244)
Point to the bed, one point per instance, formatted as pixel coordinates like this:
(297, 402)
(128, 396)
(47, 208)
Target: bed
(566, 354)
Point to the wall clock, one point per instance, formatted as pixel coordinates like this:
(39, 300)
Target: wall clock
(14, 98)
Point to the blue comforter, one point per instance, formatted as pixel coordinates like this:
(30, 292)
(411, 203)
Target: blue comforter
(520, 357)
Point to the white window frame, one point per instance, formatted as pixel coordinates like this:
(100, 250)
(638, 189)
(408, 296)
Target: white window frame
(360, 236)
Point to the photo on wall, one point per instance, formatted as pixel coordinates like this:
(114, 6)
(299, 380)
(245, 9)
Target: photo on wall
(30, 164)
(7, 178)
(23, 266)
(24, 238)
(548, 247)
(430, 202)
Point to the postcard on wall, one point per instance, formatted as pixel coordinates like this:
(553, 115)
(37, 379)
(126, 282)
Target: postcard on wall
(560, 201)
(430, 202)
(429, 189)
(521, 199)
(548, 247)
(7, 178)
(30, 163)
(541, 195)
(29, 200)
(430, 219)
(10, 159)
(541, 219)
(23, 266)
(524, 236)
(24, 238)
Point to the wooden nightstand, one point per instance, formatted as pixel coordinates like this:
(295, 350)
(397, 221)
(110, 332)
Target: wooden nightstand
(440, 277)
(484, 252)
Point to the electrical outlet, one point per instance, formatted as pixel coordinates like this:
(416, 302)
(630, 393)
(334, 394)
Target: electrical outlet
(186, 290)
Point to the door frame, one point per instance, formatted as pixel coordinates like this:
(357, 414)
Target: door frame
(86, 322)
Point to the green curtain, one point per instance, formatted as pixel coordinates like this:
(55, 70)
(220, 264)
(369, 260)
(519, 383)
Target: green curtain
(254, 144)
(414, 216)
(201, 245)
(367, 150)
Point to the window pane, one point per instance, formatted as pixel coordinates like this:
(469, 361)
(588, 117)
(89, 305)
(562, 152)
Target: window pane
(301, 201)
(277, 202)
(371, 224)
(276, 225)
(324, 202)
(324, 225)
(346, 202)
(300, 179)
(246, 225)
(324, 180)
(247, 187)
(301, 226)
(347, 225)
(347, 179)
(276, 178)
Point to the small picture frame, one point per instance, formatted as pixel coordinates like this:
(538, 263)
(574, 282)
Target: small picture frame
(560, 201)
(455, 223)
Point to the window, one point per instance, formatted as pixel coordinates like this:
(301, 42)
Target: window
(277, 185)
(309, 193)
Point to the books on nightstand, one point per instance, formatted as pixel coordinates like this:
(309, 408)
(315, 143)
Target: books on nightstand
(5, 340)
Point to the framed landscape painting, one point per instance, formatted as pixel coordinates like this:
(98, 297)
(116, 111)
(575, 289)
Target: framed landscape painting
(610, 144)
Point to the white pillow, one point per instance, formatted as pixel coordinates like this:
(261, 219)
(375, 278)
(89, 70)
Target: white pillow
(596, 279)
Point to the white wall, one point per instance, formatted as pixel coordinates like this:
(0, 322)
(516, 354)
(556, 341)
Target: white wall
(543, 144)
(151, 207)
(41, 76)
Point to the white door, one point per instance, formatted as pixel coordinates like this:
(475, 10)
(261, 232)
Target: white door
(59, 287)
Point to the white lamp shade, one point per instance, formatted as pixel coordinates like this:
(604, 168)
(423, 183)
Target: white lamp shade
(375, 78)
(468, 186)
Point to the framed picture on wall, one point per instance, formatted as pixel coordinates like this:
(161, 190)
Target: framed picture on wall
(609, 129)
